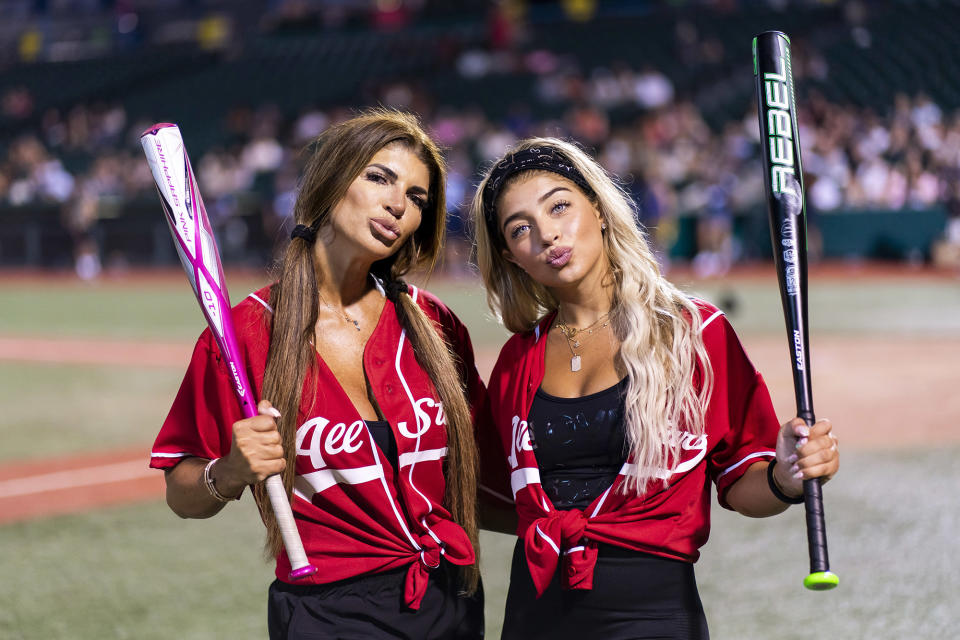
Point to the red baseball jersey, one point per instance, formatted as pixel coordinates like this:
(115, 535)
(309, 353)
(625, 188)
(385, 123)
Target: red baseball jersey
(740, 428)
(355, 514)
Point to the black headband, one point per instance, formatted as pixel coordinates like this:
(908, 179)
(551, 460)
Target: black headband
(542, 158)
(303, 231)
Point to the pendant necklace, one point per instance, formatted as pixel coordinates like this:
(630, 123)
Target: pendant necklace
(571, 333)
(339, 312)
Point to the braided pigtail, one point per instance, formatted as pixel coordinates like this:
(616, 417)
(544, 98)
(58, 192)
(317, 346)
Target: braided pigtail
(438, 360)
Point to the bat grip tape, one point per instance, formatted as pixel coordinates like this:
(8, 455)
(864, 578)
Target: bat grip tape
(816, 527)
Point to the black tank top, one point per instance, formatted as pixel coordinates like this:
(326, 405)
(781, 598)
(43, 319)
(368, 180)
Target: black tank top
(383, 436)
(580, 444)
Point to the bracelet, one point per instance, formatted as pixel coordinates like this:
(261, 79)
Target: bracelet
(211, 488)
(781, 496)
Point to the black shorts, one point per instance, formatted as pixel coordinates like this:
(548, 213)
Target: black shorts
(635, 595)
(372, 606)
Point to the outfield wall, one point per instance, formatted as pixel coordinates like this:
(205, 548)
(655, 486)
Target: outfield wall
(135, 234)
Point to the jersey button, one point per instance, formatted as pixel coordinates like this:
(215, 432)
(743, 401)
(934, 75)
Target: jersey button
(389, 388)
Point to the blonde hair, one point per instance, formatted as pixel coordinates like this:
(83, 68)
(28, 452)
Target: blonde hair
(338, 156)
(657, 325)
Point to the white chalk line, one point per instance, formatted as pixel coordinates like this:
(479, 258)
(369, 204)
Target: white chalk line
(74, 478)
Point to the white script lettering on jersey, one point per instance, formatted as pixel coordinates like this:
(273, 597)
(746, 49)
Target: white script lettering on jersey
(340, 438)
(520, 441)
(688, 442)
(424, 421)
(691, 442)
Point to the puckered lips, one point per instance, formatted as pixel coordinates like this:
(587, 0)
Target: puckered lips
(559, 257)
(385, 229)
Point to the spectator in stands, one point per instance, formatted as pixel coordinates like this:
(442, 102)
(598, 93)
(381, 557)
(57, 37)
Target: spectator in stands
(79, 218)
(946, 250)
(715, 241)
(16, 103)
(855, 157)
(459, 192)
(652, 89)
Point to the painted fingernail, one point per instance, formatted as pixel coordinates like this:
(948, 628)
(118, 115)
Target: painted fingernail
(803, 431)
(273, 412)
(792, 459)
(798, 474)
(794, 469)
(801, 442)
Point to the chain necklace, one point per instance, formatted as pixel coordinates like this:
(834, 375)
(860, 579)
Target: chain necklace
(571, 333)
(339, 312)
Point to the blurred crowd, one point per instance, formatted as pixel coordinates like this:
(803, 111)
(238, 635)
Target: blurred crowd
(905, 156)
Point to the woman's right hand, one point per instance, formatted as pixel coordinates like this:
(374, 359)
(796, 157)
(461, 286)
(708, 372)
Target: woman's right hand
(255, 453)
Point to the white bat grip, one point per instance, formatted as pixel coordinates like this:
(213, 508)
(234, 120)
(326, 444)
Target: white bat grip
(286, 523)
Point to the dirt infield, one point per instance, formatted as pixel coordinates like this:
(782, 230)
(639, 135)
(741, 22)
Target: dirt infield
(98, 351)
(74, 484)
(881, 393)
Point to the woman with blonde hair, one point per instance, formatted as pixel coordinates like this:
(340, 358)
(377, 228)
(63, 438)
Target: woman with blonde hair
(618, 400)
(369, 398)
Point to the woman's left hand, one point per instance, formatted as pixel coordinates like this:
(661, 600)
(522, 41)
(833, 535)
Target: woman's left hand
(805, 452)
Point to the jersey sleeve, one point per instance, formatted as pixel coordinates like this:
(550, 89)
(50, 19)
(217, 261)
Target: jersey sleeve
(200, 422)
(502, 382)
(740, 406)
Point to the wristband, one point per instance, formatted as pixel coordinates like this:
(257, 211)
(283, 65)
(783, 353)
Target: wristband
(211, 488)
(781, 496)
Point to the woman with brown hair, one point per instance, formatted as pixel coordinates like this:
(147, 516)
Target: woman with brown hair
(369, 399)
(619, 401)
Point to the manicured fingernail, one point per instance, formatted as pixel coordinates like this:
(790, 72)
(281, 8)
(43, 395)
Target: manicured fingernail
(792, 459)
(273, 411)
(794, 469)
(803, 431)
(801, 442)
(798, 474)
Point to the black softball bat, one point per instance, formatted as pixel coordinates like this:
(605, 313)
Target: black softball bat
(783, 180)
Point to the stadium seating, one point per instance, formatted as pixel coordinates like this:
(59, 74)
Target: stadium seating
(896, 47)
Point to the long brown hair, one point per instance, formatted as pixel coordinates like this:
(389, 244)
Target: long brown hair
(337, 157)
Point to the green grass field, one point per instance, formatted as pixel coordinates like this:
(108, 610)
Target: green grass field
(140, 572)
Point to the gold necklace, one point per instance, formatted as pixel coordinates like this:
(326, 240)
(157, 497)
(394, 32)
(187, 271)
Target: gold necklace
(339, 312)
(571, 333)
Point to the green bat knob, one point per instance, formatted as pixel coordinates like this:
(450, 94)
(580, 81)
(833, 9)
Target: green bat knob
(821, 581)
